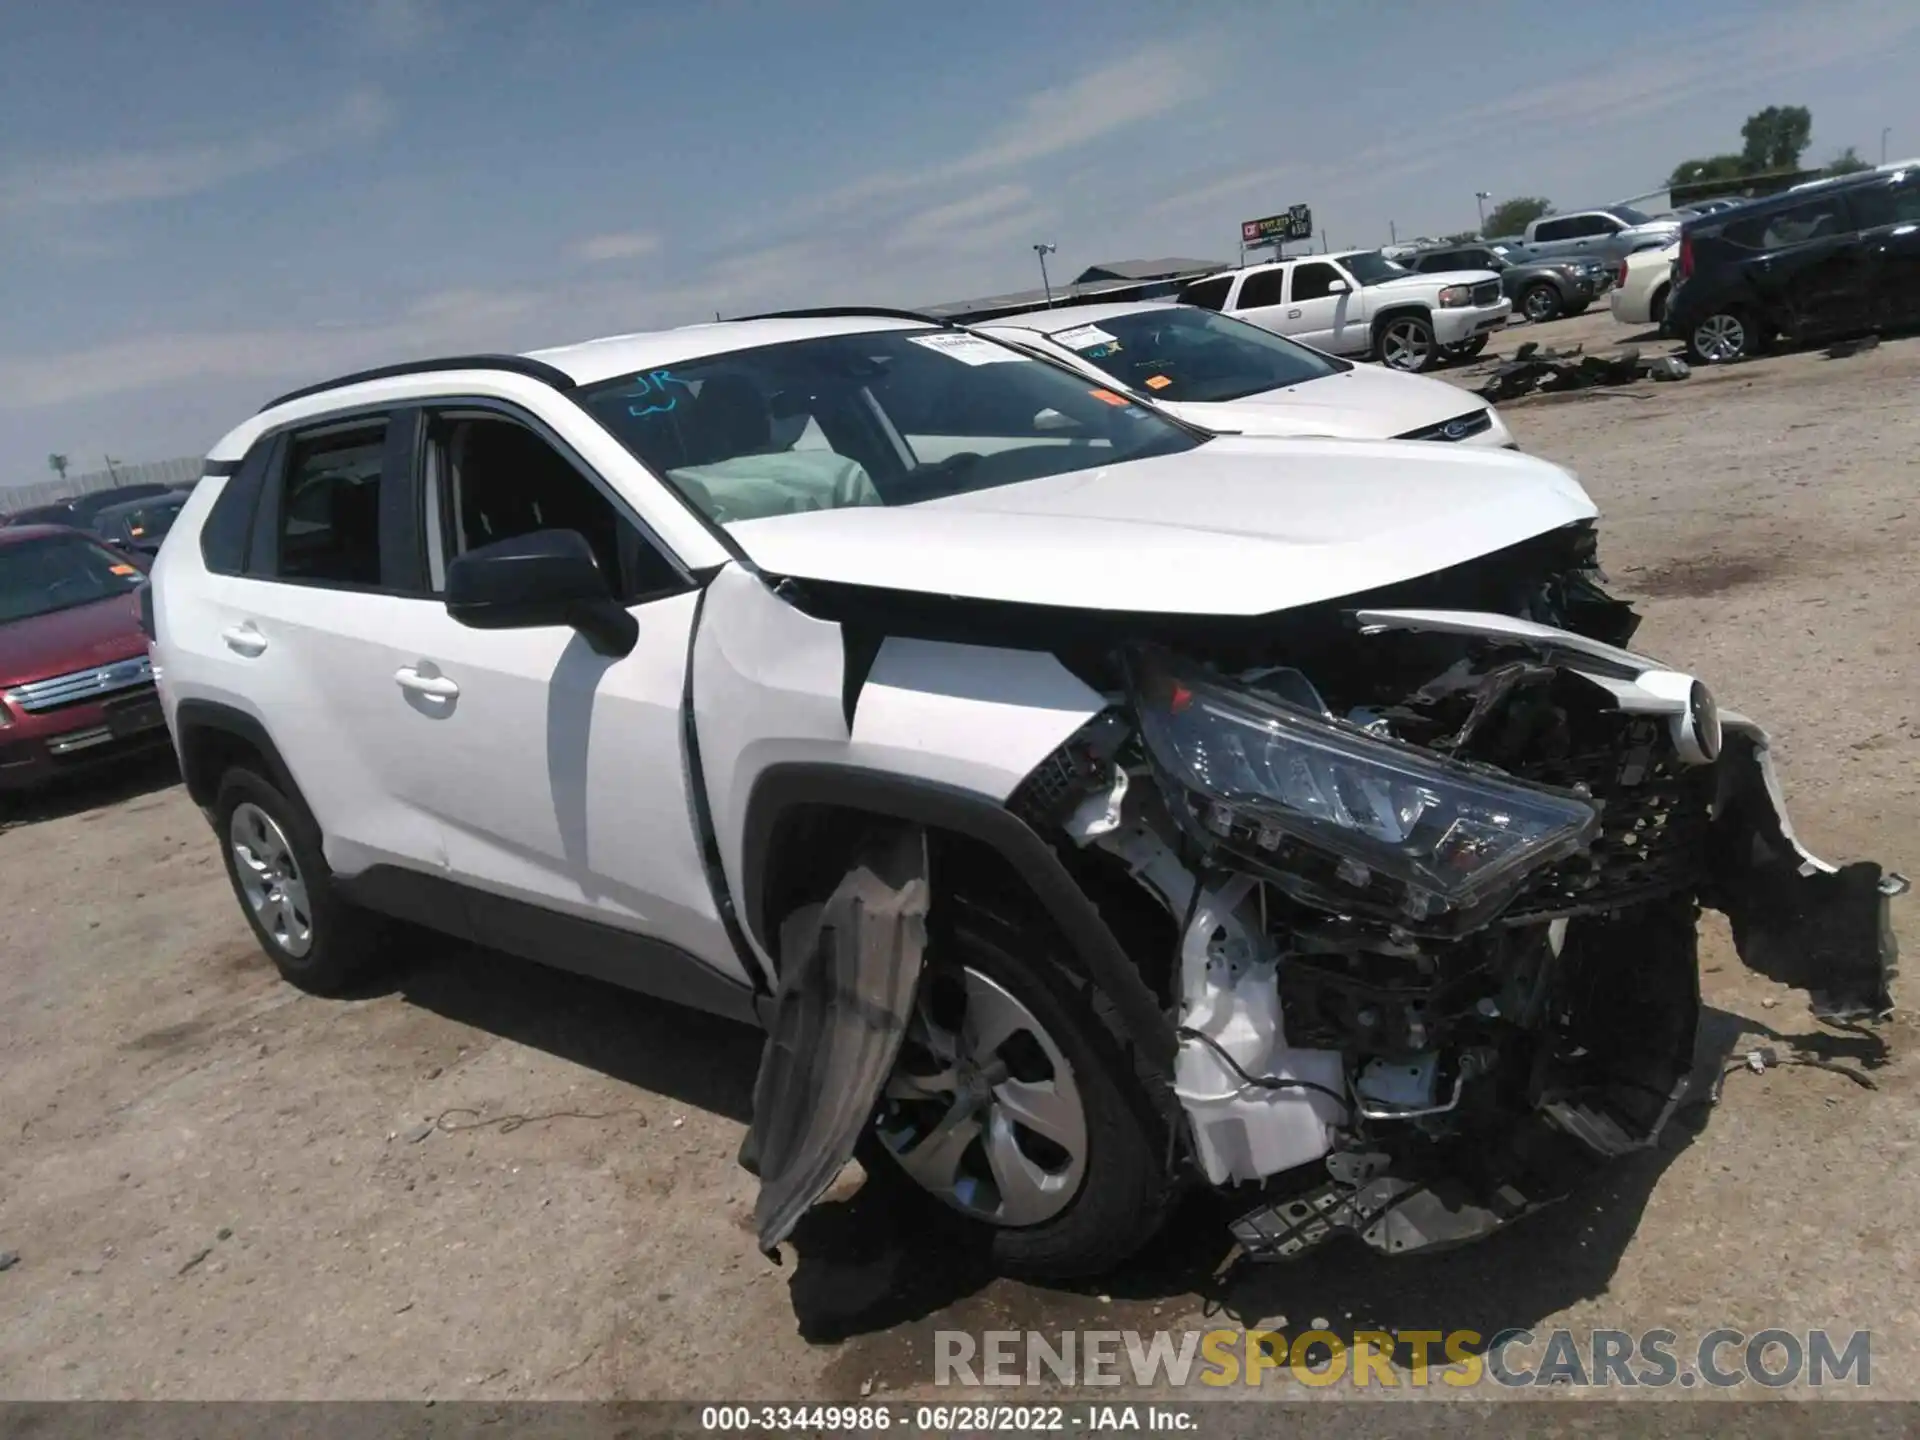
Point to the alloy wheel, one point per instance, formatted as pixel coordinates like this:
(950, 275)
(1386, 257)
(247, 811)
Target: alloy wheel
(1720, 338)
(1405, 345)
(982, 1110)
(1541, 304)
(270, 879)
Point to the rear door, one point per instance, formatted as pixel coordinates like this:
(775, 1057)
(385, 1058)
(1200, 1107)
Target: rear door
(304, 635)
(1889, 218)
(1260, 300)
(1808, 266)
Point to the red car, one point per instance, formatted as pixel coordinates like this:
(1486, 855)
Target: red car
(76, 685)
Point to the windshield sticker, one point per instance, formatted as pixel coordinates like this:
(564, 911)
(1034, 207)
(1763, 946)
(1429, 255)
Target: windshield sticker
(1158, 382)
(968, 349)
(1109, 397)
(1085, 337)
(653, 397)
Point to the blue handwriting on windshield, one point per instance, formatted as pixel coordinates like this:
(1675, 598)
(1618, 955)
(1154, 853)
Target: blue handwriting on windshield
(653, 390)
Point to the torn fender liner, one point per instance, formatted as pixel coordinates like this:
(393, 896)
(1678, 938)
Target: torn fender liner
(1795, 920)
(848, 968)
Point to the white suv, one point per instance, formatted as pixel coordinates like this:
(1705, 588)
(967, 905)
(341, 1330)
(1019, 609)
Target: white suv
(1361, 303)
(1086, 805)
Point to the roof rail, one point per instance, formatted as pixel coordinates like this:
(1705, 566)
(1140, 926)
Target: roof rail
(843, 312)
(512, 364)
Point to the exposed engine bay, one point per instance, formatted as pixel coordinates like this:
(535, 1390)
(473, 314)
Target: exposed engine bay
(1408, 884)
(1437, 880)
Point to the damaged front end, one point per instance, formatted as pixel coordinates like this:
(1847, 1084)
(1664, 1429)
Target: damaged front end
(1436, 894)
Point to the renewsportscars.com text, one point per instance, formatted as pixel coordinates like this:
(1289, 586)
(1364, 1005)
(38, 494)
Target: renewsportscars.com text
(1718, 1359)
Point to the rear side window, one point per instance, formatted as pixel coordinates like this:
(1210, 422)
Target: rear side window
(1440, 260)
(329, 517)
(1796, 225)
(1313, 280)
(1207, 294)
(1262, 287)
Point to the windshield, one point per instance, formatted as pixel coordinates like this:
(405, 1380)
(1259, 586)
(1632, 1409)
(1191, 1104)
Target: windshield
(1628, 214)
(893, 417)
(1370, 267)
(145, 523)
(58, 572)
(1177, 352)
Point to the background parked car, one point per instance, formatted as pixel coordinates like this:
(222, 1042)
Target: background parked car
(1540, 289)
(1226, 375)
(1639, 295)
(76, 686)
(139, 524)
(1838, 260)
(1360, 303)
(79, 512)
(1609, 234)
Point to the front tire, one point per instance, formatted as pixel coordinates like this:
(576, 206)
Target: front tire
(1015, 1105)
(1541, 303)
(271, 844)
(1406, 344)
(1722, 337)
(1466, 349)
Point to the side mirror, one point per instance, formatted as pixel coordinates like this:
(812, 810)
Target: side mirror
(1336, 287)
(547, 577)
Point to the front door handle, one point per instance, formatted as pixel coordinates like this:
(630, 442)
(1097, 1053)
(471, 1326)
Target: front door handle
(244, 639)
(438, 687)
(1293, 314)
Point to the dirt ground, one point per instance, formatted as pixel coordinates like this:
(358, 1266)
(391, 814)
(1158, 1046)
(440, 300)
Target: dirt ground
(496, 1182)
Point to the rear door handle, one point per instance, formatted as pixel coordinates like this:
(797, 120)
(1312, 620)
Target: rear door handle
(244, 639)
(439, 687)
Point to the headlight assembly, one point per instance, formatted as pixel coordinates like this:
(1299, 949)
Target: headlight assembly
(1331, 811)
(1452, 297)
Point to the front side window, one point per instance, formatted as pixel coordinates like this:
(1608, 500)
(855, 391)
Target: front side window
(892, 417)
(141, 523)
(1370, 267)
(1178, 353)
(1875, 206)
(1208, 294)
(329, 531)
(59, 572)
(1313, 280)
(1627, 215)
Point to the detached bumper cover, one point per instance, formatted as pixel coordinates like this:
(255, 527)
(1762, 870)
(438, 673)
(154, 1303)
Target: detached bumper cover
(848, 971)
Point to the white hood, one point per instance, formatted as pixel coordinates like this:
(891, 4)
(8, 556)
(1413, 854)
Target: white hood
(1367, 402)
(1238, 526)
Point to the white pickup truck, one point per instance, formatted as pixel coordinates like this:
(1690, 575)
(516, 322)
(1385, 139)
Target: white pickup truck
(1360, 303)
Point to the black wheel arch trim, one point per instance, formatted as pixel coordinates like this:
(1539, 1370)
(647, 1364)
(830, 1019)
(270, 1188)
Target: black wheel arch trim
(939, 806)
(200, 715)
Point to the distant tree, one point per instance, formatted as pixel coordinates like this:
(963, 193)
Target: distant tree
(1713, 169)
(1847, 163)
(58, 463)
(1510, 217)
(1775, 137)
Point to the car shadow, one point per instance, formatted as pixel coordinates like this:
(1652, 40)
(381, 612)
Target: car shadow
(686, 1055)
(880, 1263)
(124, 778)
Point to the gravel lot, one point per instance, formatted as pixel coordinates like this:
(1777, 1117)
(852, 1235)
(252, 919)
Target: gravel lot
(492, 1181)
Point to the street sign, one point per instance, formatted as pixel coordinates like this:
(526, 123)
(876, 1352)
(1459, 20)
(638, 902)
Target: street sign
(1296, 224)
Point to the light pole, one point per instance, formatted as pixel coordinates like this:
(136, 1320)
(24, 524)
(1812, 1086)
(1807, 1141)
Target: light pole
(1885, 130)
(1044, 250)
(1480, 198)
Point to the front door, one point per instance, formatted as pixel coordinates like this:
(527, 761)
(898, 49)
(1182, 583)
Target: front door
(1324, 299)
(559, 774)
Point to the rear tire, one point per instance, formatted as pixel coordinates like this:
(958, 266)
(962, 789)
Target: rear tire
(1069, 1069)
(271, 845)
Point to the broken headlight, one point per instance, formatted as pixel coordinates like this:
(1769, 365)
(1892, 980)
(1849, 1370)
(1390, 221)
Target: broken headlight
(1263, 775)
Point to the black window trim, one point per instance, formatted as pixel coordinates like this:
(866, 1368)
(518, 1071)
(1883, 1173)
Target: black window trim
(436, 406)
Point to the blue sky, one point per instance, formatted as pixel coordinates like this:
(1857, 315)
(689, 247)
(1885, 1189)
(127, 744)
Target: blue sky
(203, 203)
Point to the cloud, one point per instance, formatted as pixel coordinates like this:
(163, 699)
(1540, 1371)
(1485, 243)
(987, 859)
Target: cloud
(621, 245)
(397, 27)
(130, 176)
(960, 223)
